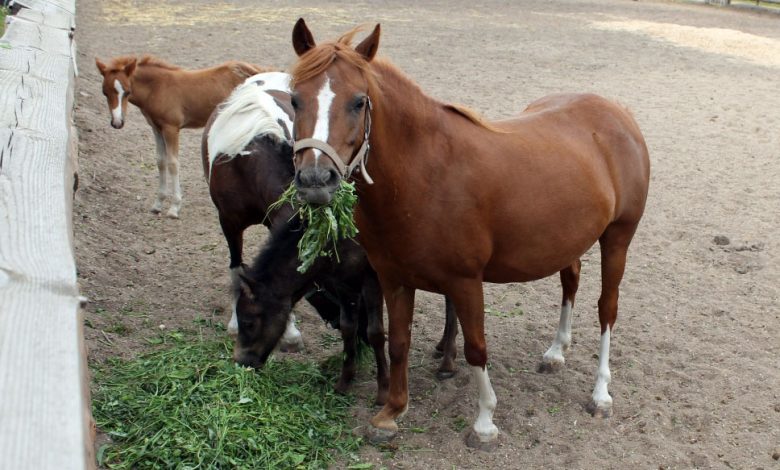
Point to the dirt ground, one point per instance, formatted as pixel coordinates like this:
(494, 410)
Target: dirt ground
(695, 352)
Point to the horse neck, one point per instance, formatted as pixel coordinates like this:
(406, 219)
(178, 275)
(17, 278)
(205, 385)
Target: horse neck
(407, 124)
(276, 266)
(145, 79)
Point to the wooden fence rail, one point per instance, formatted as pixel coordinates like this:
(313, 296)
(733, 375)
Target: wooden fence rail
(45, 421)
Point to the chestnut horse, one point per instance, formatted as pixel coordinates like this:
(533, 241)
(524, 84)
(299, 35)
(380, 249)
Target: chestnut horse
(457, 201)
(170, 98)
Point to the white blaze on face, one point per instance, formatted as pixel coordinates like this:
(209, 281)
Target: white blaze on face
(116, 113)
(321, 128)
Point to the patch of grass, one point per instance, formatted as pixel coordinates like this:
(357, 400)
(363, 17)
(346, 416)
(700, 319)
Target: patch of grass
(459, 424)
(515, 312)
(190, 406)
(3, 14)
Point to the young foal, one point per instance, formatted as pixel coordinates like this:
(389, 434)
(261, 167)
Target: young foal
(170, 99)
(247, 161)
(514, 200)
(270, 288)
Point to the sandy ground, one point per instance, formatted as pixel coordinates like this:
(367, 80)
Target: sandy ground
(695, 375)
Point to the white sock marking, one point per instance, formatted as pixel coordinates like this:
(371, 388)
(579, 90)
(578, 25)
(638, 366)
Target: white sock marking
(321, 128)
(292, 337)
(562, 338)
(116, 113)
(232, 327)
(483, 426)
(601, 396)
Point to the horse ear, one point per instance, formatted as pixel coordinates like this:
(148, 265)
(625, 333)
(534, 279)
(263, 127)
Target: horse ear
(367, 48)
(130, 67)
(102, 68)
(245, 283)
(302, 39)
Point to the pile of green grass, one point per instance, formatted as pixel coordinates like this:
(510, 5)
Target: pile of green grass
(190, 406)
(325, 225)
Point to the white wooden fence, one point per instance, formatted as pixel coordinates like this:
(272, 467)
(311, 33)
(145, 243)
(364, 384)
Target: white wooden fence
(45, 421)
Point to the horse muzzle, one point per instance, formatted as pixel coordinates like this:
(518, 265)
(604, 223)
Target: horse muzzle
(316, 184)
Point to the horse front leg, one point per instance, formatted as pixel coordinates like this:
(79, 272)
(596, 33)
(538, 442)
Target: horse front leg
(234, 235)
(400, 307)
(446, 348)
(292, 340)
(553, 359)
(469, 304)
(162, 170)
(348, 327)
(372, 308)
(171, 136)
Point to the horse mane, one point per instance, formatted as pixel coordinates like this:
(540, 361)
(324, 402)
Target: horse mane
(320, 57)
(283, 240)
(241, 117)
(152, 61)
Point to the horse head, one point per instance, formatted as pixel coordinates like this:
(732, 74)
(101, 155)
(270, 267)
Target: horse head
(117, 86)
(262, 320)
(332, 84)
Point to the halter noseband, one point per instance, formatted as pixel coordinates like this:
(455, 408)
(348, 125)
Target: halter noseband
(358, 160)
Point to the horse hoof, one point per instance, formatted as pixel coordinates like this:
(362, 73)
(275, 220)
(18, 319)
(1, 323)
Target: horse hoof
(172, 214)
(155, 210)
(599, 411)
(487, 443)
(380, 436)
(549, 367)
(341, 387)
(442, 374)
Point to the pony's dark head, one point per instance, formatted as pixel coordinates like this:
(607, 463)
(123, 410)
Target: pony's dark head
(262, 319)
(331, 85)
(117, 86)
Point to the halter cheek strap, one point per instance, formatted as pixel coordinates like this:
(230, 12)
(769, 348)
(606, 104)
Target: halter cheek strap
(359, 159)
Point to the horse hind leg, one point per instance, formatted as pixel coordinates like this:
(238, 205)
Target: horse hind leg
(614, 247)
(446, 348)
(235, 240)
(553, 359)
(162, 171)
(292, 339)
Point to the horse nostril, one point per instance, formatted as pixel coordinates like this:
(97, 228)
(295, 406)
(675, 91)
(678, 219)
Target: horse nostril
(333, 177)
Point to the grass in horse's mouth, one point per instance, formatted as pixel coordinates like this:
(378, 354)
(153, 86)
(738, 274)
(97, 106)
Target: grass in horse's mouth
(325, 225)
(190, 406)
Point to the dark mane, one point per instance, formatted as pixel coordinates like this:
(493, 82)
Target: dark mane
(282, 241)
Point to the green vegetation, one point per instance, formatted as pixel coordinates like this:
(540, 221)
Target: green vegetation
(325, 225)
(190, 406)
(3, 13)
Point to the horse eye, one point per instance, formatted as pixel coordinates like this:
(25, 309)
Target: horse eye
(359, 103)
(294, 102)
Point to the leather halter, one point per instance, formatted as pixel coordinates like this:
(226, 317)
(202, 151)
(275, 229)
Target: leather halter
(358, 160)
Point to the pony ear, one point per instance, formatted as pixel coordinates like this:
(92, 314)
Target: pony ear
(302, 39)
(245, 283)
(102, 68)
(130, 67)
(367, 48)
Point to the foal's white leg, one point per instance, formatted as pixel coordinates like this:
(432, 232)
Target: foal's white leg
(162, 170)
(484, 428)
(171, 135)
(601, 403)
(292, 341)
(553, 358)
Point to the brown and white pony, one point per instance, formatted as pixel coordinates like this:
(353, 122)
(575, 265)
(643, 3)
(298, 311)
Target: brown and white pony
(170, 98)
(457, 201)
(246, 151)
